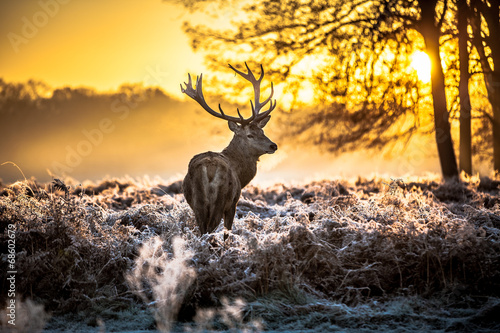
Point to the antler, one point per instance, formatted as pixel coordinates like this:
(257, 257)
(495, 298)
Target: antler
(197, 95)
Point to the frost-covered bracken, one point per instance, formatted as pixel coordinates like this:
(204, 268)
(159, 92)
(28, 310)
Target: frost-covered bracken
(329, 254)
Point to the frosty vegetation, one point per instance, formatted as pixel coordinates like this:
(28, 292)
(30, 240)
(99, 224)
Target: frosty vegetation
(372, 254)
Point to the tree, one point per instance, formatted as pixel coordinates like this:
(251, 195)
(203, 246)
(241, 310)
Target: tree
(486, 31)
(430, 28)
(368, 96)
(465, 107)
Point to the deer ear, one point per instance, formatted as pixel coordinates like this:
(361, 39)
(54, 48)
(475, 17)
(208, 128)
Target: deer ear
(263, 122)
(233, 126)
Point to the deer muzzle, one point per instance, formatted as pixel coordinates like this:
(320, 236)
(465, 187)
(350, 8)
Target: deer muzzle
(272, 148)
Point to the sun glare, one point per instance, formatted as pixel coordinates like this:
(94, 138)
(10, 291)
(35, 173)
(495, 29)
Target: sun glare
(422, 64)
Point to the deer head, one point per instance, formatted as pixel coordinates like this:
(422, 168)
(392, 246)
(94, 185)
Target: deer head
(252, 139)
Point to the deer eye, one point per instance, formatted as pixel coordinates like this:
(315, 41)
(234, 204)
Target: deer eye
(250, 136)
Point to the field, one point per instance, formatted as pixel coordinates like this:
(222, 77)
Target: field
(392, 255)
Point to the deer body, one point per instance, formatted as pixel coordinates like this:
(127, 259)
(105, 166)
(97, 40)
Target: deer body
(213, 183)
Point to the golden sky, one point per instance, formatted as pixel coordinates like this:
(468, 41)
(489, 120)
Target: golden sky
(99, 44)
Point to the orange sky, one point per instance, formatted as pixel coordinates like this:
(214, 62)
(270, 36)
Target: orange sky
(99, 44)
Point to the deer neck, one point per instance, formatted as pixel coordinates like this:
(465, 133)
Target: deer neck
(243, 163)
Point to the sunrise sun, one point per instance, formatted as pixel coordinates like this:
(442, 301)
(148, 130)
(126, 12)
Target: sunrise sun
(422, 64)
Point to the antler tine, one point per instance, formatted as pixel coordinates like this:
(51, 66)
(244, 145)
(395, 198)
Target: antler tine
(261, 72)
(247, 76)
(239, 114)
(270, 96)
(186, 84)
(241, 120)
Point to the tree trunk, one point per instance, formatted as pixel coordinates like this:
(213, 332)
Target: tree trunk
(431, 33)
(492, 18)
(463, 91)
(496, 121)
(490, 64)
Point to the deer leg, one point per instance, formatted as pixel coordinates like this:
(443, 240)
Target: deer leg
(228, 220)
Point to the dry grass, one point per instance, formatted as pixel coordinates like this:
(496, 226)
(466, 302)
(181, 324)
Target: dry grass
(160, 281)
(322, 253)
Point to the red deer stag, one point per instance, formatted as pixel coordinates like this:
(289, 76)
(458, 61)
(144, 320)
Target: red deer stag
(214, 181)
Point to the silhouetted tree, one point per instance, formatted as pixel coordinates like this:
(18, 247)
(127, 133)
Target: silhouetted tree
(465, 107)
(19, 95)
(486, 30)
(367, 94)
(429, 26)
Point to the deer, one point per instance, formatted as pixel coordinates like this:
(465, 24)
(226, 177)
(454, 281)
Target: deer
(213, 183)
